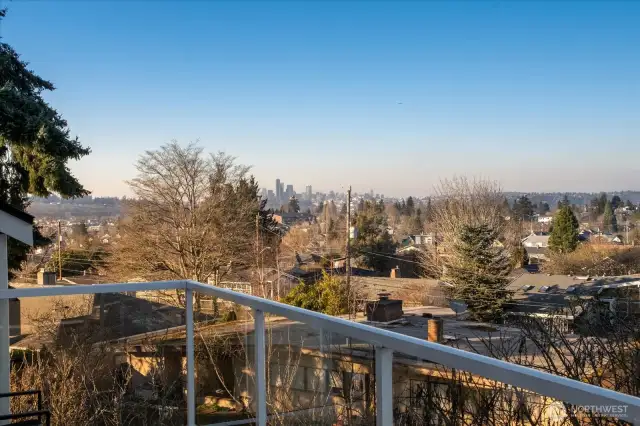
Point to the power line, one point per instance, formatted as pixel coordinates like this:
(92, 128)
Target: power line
(389, 256)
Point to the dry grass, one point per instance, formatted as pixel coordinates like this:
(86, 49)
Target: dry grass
(596, 260)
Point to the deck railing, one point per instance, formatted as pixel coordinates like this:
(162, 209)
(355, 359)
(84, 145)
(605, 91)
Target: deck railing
(384, 341)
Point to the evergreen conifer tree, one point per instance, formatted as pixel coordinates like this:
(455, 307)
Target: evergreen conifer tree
(564, 235)
(294, 205)
(609, 221)
(478, 272)
(35, 145)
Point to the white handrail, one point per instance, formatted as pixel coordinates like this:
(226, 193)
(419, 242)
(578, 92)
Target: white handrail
(561, 388)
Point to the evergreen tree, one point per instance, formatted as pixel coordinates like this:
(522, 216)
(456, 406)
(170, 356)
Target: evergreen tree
(428, 212)
(35, 145)
(543, 208)
(594, 209)
(374, 241)
(602, 202)
(409, 208)
(522, 208)
(79, 230)
(80, 234)
(564, 202)
(417, 225)
(505, 206)
(478, 272)
(616, 202)
(294, 205)
(609, 221)
(564, 234)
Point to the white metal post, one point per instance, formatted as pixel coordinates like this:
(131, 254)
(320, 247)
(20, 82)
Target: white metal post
(384, 386)
(260, 369)
(5, 356)
(191, 368)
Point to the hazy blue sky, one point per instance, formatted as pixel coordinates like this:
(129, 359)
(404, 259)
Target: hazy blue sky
(390, 96)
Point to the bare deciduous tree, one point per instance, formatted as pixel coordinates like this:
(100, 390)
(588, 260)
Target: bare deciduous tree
(193, 216)
(461, 201)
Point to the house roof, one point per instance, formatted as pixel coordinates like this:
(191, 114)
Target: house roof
(16, 224)
(534, 238)
(467, 335)
(19, 214)
(528, 294)
(123, 315)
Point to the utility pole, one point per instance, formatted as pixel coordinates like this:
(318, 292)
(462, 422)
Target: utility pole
(59, 251)
(348, 254)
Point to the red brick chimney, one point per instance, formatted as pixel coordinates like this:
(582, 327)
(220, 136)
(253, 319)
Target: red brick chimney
(435, 330)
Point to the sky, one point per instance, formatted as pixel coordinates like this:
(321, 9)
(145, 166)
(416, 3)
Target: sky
(541, 96)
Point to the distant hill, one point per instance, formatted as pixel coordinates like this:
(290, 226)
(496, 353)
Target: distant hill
(578, 198)
(55, 207)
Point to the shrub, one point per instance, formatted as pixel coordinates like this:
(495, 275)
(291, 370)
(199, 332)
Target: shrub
(328, 295)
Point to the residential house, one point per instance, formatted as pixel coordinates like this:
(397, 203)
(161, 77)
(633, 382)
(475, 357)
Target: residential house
(289, 219)
(423, 239)
(536, 239)
(607, 238)
(552, 296)
(537, 247)
(585, 234)
(545, 219)
(115, 315)
(318, 374)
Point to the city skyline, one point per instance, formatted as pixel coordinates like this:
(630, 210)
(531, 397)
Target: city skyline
(395, 96)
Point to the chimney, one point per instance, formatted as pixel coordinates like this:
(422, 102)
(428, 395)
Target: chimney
(46, 278)
(384, 309)
(435, 330)
(395, 272)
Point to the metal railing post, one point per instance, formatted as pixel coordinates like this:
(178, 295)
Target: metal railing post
(260, 369)
(191, 385)
(5, 355)
(384, 386)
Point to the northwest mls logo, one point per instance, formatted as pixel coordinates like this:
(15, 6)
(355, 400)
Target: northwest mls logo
(558, 411)
(617, 411)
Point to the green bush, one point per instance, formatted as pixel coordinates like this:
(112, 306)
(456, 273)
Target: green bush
(328, 295)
